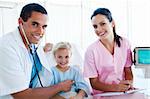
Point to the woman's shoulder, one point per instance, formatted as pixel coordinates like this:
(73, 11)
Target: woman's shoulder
(125, 41)
(93, 45)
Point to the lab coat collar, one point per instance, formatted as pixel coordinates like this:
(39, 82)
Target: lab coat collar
(18, 39)
(40, 51)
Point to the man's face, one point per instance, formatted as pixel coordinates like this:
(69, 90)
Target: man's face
(35, 27)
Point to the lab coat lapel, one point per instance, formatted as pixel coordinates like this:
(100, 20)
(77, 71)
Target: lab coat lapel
(42, 58)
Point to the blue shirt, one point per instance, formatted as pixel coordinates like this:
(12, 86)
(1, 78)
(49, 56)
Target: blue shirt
(71, 74)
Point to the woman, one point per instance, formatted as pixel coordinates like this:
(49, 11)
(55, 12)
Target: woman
(108, 60)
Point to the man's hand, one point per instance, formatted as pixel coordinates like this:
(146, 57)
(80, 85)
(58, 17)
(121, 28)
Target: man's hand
(66, 85)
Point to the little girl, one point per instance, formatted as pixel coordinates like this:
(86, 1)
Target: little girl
(62, 71)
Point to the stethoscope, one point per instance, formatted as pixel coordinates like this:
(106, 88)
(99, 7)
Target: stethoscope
(22, 33)
(34, 63)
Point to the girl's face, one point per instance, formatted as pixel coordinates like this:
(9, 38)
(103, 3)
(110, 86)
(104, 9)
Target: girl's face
(102, 27)
(62, 57)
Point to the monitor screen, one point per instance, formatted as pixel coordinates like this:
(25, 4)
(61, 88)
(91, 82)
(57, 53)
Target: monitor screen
(142, 56)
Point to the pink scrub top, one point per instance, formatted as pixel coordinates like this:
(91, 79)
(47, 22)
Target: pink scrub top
(99, 62)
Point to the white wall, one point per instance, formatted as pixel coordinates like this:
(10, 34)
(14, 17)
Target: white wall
(69, 20)
(139, 22)
(8, 20)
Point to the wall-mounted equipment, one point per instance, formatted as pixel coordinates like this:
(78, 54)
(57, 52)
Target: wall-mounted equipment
(142, 59)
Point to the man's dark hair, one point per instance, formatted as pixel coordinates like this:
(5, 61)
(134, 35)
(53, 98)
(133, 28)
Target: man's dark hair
(29, 8)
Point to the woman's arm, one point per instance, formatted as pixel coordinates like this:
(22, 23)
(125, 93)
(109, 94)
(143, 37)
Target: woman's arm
(98, 85)
(128, 76)
(128, 73)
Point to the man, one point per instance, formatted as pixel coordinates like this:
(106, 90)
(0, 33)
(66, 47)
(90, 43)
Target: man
(17, 61)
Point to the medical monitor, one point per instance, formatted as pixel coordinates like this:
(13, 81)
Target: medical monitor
(142, 56)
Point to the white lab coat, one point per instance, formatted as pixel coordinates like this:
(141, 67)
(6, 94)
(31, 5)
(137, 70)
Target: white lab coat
(16, 66)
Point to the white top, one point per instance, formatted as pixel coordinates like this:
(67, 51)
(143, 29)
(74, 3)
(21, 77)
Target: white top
(16, 66)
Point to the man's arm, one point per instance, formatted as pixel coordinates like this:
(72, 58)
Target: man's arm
(43, 93)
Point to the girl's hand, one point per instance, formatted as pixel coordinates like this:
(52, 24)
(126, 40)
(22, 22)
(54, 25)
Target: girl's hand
(77, 97)
(48, 47)
(80, 95)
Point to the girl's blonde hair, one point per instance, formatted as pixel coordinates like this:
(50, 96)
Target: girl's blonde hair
(61, 45)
